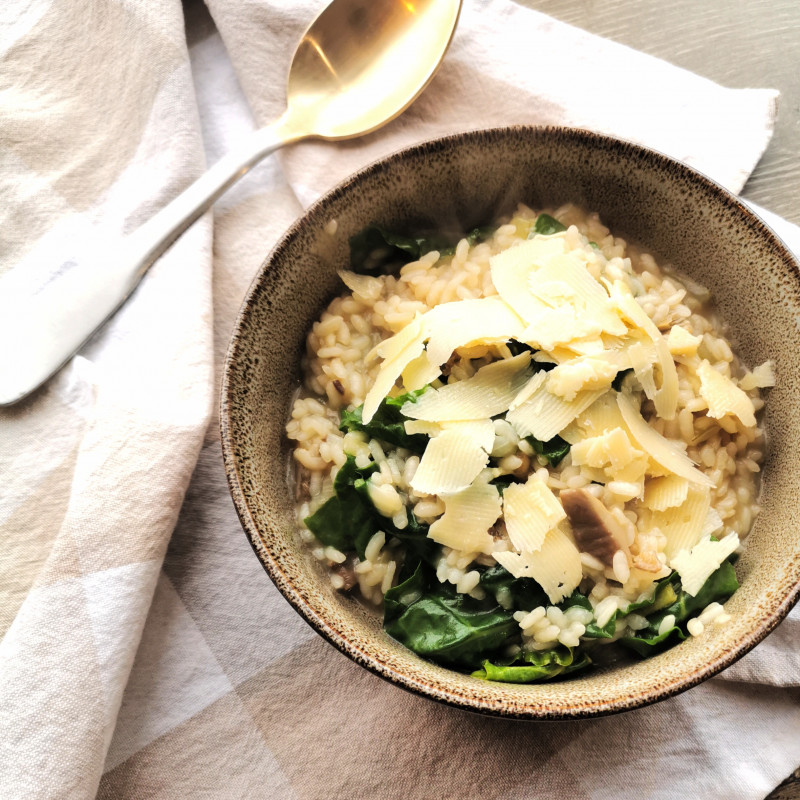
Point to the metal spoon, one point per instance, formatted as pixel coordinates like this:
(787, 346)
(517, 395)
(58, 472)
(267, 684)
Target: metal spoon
(359, 65)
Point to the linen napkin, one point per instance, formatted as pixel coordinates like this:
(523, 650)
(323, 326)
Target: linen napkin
(98, 129)
(231, 694)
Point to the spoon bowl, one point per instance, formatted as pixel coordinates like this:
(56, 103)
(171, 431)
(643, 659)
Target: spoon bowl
(359, 65)
(362, 63)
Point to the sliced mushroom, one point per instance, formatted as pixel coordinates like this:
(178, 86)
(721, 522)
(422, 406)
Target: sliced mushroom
(596, 530)
(346, 571)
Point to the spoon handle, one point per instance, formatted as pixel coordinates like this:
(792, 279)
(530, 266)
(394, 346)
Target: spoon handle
(42, 327)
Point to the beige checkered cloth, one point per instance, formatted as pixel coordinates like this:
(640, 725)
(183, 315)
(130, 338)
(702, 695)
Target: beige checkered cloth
(142, 666)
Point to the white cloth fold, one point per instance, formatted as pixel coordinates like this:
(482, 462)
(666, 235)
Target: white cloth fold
(230, 694)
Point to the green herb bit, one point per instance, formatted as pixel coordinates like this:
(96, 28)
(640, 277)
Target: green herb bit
(539, 665)
(388, 424)
(437, 623)
(553, 450)
(546, 226)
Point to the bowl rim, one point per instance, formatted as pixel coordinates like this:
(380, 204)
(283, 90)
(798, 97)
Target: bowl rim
(307, 612)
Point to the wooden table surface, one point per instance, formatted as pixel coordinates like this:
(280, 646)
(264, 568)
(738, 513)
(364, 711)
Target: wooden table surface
(739, 44)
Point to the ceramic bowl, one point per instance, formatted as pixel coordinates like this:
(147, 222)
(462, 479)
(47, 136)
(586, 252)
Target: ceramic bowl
(460, 182)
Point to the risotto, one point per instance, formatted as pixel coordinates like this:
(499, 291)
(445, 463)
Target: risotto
(527, 446)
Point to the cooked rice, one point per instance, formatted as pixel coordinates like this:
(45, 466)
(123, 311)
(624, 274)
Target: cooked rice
(338, 375)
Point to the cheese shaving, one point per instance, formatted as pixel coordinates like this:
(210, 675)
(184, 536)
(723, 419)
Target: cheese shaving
(558, 326)
(584, 373)
(450, 463)
(544, 415)
(512, 268)
(556, 567)
(681, 342)
(364, 287)
(683, 525)
(580, 289)
(488, 320)
(420, 372)
(661, 450)
(666, 492)
(487, 393)
(666, 397)
(762, 377)
(696, 566)
(724, 396)
(468, 516)
(399, 351)
(530, 511)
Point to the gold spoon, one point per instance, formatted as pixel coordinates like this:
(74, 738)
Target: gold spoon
(359, 65)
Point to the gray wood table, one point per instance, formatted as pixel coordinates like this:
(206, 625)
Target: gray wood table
(737, 43)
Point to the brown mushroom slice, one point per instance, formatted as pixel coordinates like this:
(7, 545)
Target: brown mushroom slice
(596, 530)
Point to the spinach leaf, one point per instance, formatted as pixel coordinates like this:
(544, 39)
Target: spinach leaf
(663, 595)
(516, 348)
(480, 234)
(504, 481)
(414, 535)
(375, 250)
(553, 450)
(349, 519)
(346, 521)
(524, 593)
(534, 666)
(388, 423)
(719, 587)
(435, 622)
(546, 225)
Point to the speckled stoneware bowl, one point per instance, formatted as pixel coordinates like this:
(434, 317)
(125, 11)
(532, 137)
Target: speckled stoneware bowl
(463, 181)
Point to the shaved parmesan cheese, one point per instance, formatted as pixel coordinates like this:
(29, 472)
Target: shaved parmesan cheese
(666, 397)
(660, 449)
(565, 278)
(642, 357)
(556, 567)
(696, 567)
(412, 334)
(486, 394)
(468, 516)
(488, 320)
(450, 463)
(558, 326)
(544, 415)
(585, 372)
(413, 426)
(530, 510)
(681, 342)
(511, 271)
(420, 372)
(364, 287)
(481, 431)
(683, 525)
(528, 390)
(602, 416)
(612, 449)
(712, 524)
(724, 396)
(761, 377)
(591, 346)
(666, 492)
(399, 351)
